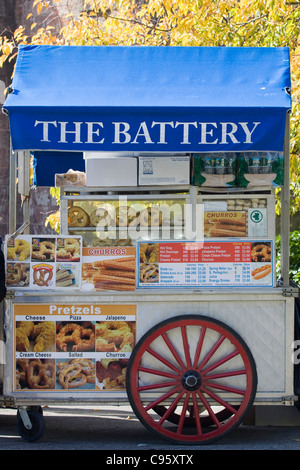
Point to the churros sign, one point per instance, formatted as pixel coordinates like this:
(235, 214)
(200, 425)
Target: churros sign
(109, 269)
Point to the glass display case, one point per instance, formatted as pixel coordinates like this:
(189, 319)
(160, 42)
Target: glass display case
(108, 220)
(123, 220)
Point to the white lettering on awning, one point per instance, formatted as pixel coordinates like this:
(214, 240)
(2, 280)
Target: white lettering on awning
(159, 132)
(64, 132)
(45, 125)
(186, 128)
(91, 131)
(162, 131)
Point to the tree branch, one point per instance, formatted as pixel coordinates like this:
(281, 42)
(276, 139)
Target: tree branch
(142, 24)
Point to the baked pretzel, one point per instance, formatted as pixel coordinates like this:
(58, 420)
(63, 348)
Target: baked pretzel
(125, 215)
(149, 273)
(100, 217)
(79, 338)
(75, 373)
(21, 373)
(114, 336)
(47, 248)
(261, 252)
(42, 277)
(20, 248)
(40, 375)
(77, 217)
(17, 274)
(44, 250)
(149, 252)
(151, 217)
(68, 249)
(70, 376)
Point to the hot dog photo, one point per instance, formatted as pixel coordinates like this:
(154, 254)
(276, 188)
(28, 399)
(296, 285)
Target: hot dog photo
(261, 257)
(261, 272)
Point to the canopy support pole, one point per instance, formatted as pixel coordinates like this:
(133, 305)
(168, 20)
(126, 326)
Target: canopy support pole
(24, 186)
(285, 209)
(12, 192)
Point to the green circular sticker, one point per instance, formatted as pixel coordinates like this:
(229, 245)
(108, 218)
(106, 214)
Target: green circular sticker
(256, 216)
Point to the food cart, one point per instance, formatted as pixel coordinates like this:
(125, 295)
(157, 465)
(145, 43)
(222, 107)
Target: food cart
(161, 286)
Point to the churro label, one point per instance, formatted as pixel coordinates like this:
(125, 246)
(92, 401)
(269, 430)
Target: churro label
(225, 224)
(213, 263)
(109, 269)
(70, 348)
(43, 262)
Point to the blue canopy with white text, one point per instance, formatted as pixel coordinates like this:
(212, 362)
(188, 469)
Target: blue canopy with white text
(149, 99)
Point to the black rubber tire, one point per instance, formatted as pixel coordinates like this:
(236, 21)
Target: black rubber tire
(38, 426)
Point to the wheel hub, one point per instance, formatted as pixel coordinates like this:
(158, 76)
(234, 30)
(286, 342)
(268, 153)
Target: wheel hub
(191, 380)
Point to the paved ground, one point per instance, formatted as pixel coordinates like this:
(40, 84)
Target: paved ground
(115, 429)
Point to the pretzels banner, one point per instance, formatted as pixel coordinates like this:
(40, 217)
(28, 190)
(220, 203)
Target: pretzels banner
(72, 347)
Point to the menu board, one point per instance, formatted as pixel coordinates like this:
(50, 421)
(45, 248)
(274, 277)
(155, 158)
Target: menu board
(42, 262)
(205, 264)
(72, 348)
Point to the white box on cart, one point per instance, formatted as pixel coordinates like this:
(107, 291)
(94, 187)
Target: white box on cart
(164, 170)
(110, 171)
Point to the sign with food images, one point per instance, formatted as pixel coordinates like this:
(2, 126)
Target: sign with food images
(109, 268)
(43, 262)
(210, 263)
(70, 348)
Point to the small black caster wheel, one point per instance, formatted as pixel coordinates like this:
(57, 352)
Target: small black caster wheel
(37, 426)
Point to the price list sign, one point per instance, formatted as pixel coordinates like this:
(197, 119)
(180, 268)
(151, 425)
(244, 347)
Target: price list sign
(208, 263)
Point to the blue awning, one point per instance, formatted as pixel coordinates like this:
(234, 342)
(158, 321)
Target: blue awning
(141, 99)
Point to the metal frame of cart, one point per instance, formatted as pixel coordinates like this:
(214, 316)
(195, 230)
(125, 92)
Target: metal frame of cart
(171, 384)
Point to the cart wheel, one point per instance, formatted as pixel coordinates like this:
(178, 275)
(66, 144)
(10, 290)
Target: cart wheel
(191, 379)
(37, 429)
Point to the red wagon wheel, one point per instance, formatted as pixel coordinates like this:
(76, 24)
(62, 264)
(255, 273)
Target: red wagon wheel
(191, 379)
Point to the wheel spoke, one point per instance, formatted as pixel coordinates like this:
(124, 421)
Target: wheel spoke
(183, 413)
(219, 400)
(186, 347)
(221, 375)
(199, 347)
(157, 372)
(196, 414)
(173, 350)
(162, 398)
(144, 388)
(225, 388)
(171, 407)
(162, 359)
(221, 361)
(209, 409)
(211, 353)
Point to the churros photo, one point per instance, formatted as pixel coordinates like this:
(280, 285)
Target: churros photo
(111, 374)
(101, 270)
(225, 224)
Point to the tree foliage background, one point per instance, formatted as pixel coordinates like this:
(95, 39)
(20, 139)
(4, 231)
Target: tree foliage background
(236, 23)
